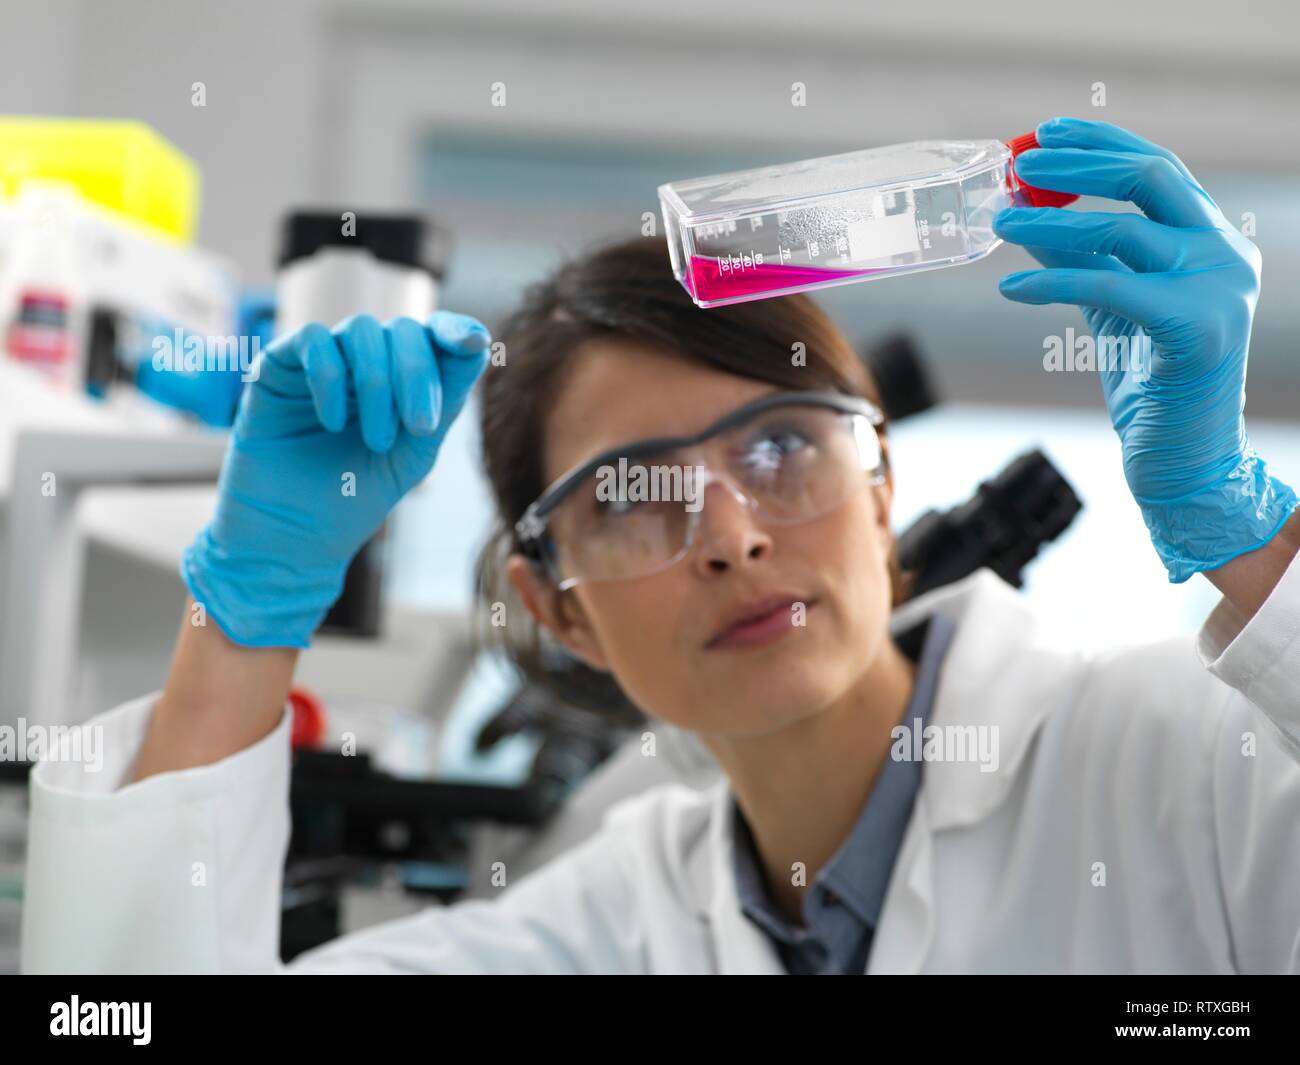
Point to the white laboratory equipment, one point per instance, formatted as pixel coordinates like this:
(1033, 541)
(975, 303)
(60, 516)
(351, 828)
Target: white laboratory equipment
(64, 257)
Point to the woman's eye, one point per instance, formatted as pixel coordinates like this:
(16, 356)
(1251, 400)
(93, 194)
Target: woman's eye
(771, 450)
(615, 508)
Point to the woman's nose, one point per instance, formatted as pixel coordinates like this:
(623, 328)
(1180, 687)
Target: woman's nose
(729, 535)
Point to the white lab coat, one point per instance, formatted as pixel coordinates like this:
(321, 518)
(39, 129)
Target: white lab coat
(1129, 762)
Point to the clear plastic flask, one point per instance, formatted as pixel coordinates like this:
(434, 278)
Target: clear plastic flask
(771, 231)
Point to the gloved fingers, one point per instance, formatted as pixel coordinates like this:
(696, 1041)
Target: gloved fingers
(419, 390)
(457, 334)
(1129, 295)
(1076, 260)
(1063, 132)
(1050, 257)
(326, 373)
(1137, 242)
(1152, 182)
(365, 350)
(279, 368)
(461, 343)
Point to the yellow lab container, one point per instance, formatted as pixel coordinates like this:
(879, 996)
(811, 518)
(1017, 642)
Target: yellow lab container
(122, 165)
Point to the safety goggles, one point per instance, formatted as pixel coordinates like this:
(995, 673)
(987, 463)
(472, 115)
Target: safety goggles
(789, 457)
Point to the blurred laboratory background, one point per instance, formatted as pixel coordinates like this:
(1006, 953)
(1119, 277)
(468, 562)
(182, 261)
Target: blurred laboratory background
(522, 133)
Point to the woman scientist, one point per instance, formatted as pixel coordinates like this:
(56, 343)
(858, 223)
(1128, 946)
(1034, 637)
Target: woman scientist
(1142, 812)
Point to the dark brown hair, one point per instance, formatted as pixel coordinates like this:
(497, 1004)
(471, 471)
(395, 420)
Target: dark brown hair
(627, 290)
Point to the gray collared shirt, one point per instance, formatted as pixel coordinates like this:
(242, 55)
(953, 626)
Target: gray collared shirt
(843, 903)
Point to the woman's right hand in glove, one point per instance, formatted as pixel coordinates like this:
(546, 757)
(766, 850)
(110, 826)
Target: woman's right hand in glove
(336, 427)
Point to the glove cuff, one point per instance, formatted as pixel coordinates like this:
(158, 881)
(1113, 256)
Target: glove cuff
(259, 602)
(1240, 513)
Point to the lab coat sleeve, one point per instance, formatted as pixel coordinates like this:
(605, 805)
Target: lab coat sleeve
(182, 872)
(1261, 657)
(574, 915)
(1256, 776)
(179, 872)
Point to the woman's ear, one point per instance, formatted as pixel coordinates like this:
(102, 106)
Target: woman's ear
(558, 612)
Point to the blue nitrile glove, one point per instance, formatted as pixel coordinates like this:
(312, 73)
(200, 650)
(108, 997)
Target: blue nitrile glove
(367, 400)
(1185, 278)
(212, 395)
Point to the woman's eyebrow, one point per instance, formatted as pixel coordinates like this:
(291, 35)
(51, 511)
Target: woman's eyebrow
(614, 451)
(627, 447)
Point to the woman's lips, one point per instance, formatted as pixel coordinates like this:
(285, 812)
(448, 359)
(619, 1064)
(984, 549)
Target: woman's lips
(762, 629)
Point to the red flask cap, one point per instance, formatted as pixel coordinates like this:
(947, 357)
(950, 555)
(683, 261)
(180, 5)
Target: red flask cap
(1036, 197)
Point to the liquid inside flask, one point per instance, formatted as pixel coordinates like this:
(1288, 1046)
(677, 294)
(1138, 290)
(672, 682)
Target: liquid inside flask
(839, 219)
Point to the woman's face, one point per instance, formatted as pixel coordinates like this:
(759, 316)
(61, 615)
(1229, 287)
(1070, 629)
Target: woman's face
(656, 633)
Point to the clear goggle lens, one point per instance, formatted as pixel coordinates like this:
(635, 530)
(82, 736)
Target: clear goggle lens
(635, 516)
